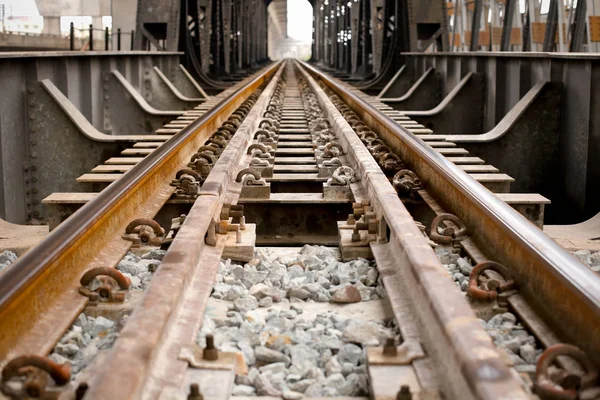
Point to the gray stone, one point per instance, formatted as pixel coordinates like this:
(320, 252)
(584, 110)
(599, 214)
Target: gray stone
(334, 380)
(264, 387)
(464, 285)
(298, 293)
(237, 271)
(131, 267)
(265, 302)
(527, 353)
(290, 314)
(350, 353)
(314, 390)
(235, 320)
(220, 290)
(230, 280)
(371, 278)
(267, 355)
(333, 366)
(273, 368)
(261, 290)
(339, 322)
(291, 395)
(354, 385)
(155, 254)
(464, 266)
(251, 276)
(243, 390)
(298, 310)
(584, 256)
(302, 353)
(7, 257)
(67, 350)
(245, 304)
(57, 358)
(102, 324)
(446, 255)
(280, 323)
(324, 282)
(302, 385)
(248, 352)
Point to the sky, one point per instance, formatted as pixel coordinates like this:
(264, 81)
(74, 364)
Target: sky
(21, 8)
(300, 20)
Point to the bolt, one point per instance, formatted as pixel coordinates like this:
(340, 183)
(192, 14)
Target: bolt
(351, 220)
(32, 142)
(389, 349)
(210, 353)
(31, 90)
(356, 236)
(81, 390)
(404, 393)
(242, 222)
(195, 392)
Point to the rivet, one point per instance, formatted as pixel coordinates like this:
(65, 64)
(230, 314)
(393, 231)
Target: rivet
(34, 154)
(31, 90)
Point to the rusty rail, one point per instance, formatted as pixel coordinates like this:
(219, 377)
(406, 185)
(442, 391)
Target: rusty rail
(560, 288)
(38, 295)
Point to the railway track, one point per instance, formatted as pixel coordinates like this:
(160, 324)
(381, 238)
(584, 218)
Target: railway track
(296, 240)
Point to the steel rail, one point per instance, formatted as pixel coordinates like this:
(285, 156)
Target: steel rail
(557, 285)
(466, 361)
(144, 360)
(38, 294)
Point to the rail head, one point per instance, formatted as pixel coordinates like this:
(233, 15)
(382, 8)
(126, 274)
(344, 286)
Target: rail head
(544, 268)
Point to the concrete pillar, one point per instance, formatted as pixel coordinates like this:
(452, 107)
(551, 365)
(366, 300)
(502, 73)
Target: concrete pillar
(51, 26)
(123, 17)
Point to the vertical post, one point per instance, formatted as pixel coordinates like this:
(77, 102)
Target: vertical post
(106, 39)
(507, 23)
(560, 7)
(579, 28)
(119, 39)
(476, 25)
(132, 37)
(72, 36)
(527, 45)
(91, 47)
(551, 21)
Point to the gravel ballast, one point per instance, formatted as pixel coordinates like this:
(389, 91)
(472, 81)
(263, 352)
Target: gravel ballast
(295, 344)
